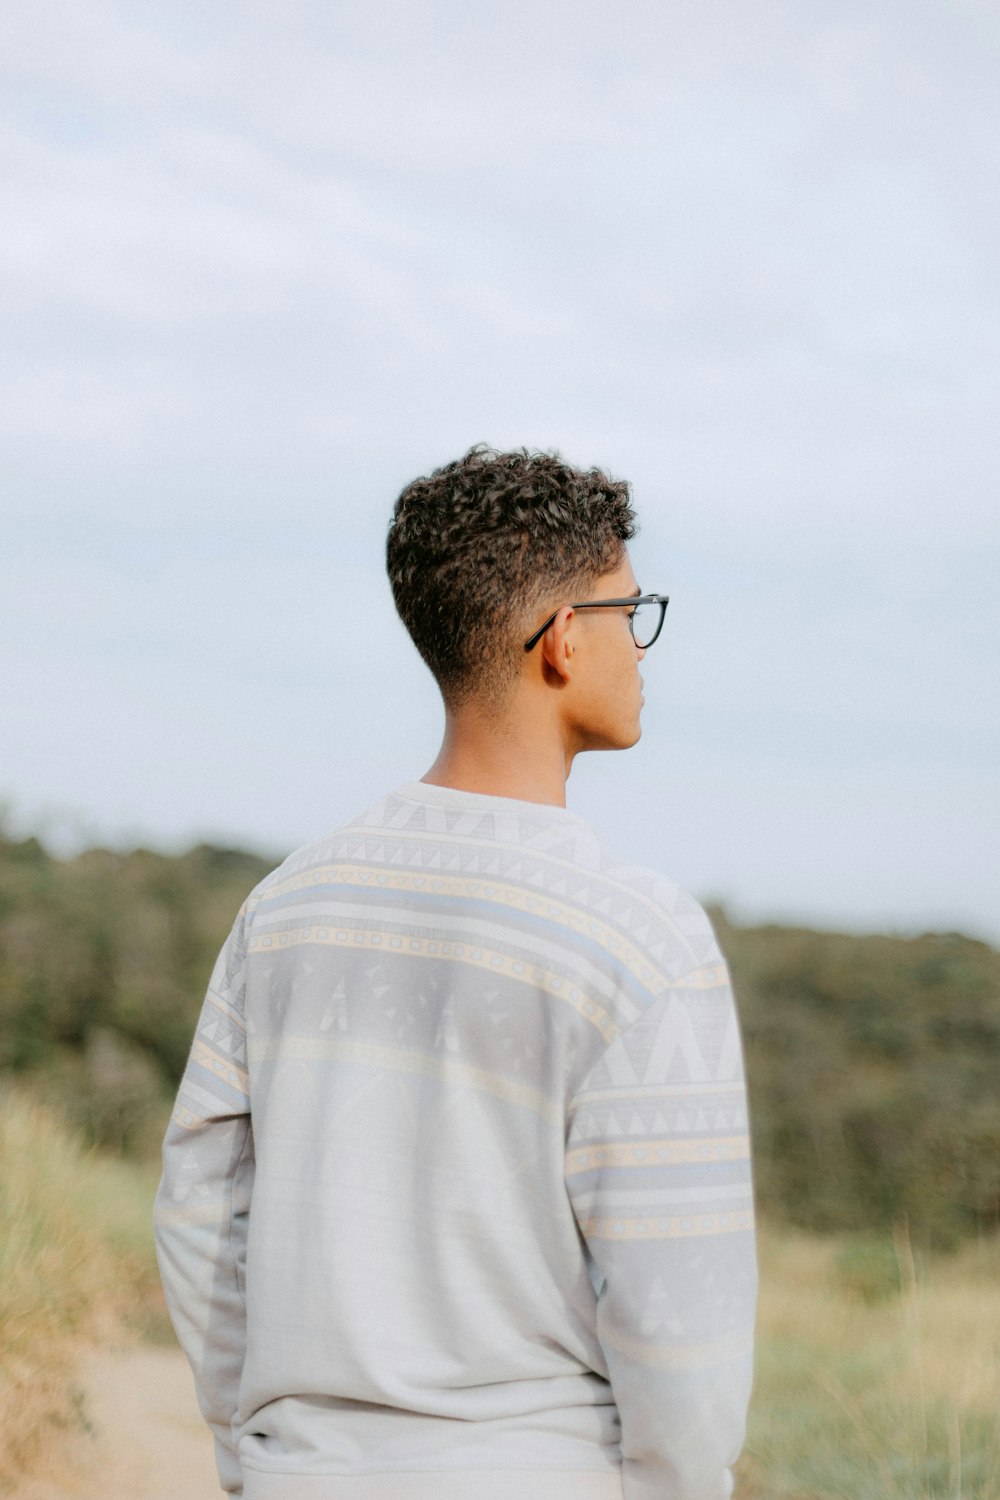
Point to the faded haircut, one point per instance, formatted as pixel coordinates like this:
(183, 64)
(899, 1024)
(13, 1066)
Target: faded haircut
(478, 549)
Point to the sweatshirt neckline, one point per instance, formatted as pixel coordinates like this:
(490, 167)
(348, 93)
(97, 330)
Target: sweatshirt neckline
(458, 797)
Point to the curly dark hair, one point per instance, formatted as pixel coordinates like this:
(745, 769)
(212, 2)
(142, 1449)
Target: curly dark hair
(477, 546)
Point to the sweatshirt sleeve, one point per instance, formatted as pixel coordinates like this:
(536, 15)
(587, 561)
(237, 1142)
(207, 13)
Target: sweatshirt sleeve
(203, 1202)
(659, 1174)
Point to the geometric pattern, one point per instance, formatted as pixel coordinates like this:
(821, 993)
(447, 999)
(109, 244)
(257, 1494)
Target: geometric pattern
(463, 1134)
(477, 955)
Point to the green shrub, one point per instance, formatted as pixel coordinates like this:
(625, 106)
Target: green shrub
(867, 1267)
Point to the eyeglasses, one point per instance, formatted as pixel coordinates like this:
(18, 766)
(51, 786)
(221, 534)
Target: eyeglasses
(645, 620)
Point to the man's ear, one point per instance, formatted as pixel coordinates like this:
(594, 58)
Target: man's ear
(560, 649)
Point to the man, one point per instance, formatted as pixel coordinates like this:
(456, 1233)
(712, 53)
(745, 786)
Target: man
(457, 1197)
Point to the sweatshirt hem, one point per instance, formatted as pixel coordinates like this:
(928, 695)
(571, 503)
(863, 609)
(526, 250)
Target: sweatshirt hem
(512, 1483)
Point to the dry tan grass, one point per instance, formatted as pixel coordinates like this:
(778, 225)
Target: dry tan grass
(955, 1326)
(73, 1267)
(896, 1400)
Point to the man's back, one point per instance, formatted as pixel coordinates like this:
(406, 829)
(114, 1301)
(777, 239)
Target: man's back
(480, 1178)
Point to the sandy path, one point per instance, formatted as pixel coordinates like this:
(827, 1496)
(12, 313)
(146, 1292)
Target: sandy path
(148, 1438)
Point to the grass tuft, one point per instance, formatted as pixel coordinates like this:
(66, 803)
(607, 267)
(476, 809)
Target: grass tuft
(76, 1267)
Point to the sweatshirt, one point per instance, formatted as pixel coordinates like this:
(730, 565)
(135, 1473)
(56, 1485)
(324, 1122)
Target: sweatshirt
(457, 1197)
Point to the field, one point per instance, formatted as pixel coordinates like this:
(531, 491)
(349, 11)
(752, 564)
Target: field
(878, 1369)
(877, 1372)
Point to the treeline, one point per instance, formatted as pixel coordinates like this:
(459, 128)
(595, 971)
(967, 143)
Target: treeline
(104, 960)
(873, 1062)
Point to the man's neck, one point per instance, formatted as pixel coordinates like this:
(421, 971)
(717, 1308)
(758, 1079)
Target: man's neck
(500, 770)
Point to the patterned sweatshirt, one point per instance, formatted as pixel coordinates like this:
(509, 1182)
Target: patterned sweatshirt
(457, 1195)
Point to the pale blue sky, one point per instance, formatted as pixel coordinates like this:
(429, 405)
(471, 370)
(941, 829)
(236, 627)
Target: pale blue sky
(261, 264)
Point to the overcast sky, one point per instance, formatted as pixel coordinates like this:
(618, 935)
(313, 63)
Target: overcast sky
(261, 264)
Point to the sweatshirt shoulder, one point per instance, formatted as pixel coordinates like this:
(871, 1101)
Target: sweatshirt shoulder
(283, 876)
(662, 915)
(347, 840)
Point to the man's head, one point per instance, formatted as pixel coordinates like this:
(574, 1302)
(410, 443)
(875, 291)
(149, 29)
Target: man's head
(481, 551)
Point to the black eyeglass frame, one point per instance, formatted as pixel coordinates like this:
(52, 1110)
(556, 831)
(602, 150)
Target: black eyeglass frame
(634, 599)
